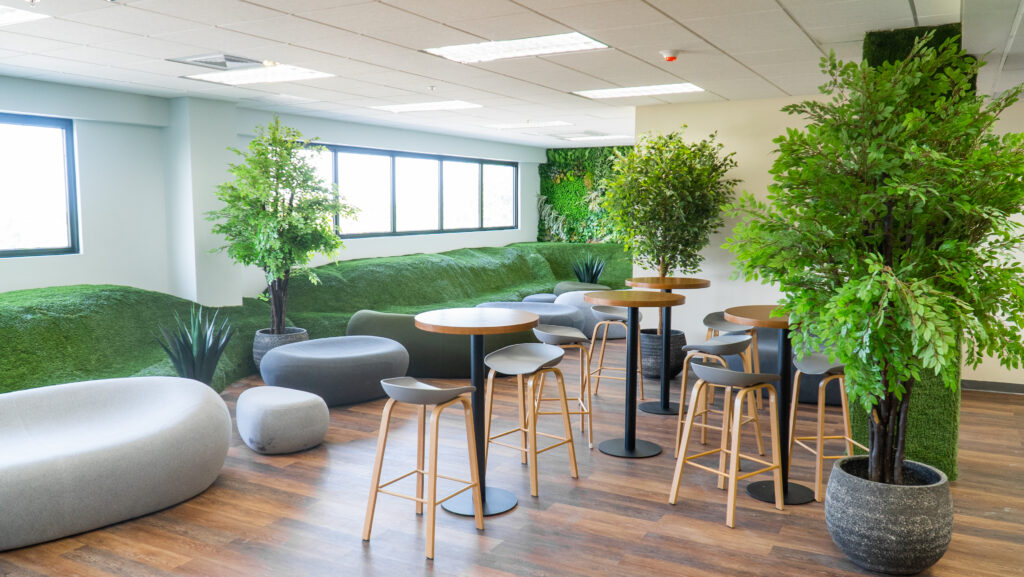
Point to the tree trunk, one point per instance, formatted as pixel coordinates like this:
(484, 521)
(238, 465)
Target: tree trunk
(278, 304)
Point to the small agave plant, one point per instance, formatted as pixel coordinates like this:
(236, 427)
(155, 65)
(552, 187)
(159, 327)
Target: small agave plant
(589, 269)
(195, 346)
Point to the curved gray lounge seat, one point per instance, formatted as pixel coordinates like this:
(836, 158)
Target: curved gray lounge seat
(276, 420)
(84, 455)
(540, 298)
(549, 313)
(341, 370)
(590, 318)
(431, 355)
(569, 286)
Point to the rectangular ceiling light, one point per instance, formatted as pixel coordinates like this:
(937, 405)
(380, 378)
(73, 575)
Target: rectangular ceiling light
(591, 137)
(517, 125)
(428, 106)
(640, 90)
(10, 16)
(269, 72)
(488, 51)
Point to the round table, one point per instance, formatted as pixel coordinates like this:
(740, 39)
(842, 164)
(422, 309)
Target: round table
(761, 316)
(667, 285)
(629, 446)
(477, 322)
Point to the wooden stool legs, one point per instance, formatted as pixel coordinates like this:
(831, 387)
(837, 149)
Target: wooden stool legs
(704, 403)
(583, 400)
(431, 501)
(601, 367)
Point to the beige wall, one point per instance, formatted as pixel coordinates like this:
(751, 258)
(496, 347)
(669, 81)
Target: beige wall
(748, 128)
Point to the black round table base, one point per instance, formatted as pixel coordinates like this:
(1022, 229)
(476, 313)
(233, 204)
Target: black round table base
(498, 501)
(655, 408)
(617, 448)
(765, 491)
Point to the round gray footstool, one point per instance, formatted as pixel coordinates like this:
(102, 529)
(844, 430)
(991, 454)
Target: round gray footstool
(571, 285)
(549, 313)
(342, 370)
(274, 420)
(540, 298)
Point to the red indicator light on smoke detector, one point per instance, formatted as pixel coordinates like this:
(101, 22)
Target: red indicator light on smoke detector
(670, 55)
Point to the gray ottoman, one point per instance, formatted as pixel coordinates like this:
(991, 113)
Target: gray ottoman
(275, 420)
(341, 370)
(540, 298)
(549, 313)
(571, 285)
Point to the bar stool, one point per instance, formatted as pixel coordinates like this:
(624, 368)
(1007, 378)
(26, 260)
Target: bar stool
(715, 350)
(569, 338)
(608, 316)
(411, 391)
(717, 325)
(820, 364)
(529, 362)
(748, 384)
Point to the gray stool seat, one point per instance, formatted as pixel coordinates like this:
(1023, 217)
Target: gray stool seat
(721, 345)
(540, 298)
(577, 299)
(549, 313)
(607, 313)
(572, 286)
(818, 364)
(416, 392)
(341, 370)
(276, 420)
(558, 335)
(730, 378)
(716, 321)
(524, 358)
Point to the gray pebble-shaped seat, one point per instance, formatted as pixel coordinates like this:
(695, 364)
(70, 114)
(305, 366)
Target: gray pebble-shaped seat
(818, 364)
(572, 286)
(716, 321)
(276, 420)
(721, 345)
(524, 358)
(558, 335)
(540, 298)
(549, 313)
(730, 378)
(416, 392)
(341, 370)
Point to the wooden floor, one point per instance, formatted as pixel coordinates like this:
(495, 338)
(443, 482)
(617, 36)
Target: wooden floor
(302, 514)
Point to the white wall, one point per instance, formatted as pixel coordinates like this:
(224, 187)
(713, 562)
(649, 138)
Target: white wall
(748, 128)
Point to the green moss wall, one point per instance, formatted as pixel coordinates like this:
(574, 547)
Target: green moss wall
(569, 183)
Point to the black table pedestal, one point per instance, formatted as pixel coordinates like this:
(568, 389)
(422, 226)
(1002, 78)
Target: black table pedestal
(664, 406)
(629, 446)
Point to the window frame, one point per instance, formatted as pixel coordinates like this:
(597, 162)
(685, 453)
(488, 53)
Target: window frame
(70, 181)
(440, 158)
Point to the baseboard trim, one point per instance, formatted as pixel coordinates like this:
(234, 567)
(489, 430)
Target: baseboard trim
(993, 387)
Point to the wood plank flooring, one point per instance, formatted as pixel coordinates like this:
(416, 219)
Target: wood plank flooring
(302, 514)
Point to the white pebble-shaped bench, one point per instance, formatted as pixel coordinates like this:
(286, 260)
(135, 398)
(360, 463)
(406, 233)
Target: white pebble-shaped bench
(84, 455)
(276, 420)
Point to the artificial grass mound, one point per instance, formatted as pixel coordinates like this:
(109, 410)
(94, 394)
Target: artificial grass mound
(74, 333)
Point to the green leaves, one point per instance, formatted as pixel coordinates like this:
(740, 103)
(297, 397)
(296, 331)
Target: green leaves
(664, 199)
(195, 346)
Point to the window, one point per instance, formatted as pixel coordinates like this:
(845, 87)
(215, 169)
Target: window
(38, 205)
(402, 193)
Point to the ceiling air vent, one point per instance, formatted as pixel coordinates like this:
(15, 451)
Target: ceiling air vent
(219, 61)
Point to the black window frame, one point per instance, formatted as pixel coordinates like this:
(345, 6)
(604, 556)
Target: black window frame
(441, 158)
(70, 181)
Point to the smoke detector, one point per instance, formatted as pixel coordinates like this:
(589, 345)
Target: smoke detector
(670, 55)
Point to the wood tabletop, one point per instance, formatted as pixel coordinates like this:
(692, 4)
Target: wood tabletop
(634, 299)
(668, 282)
(476, 321)
(757, 316)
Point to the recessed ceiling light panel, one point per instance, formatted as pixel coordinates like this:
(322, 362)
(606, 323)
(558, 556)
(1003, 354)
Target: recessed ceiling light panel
(269, 72)
(519, 125)
(9, 16)
(488, 51)
(428, 106)
(628, 91)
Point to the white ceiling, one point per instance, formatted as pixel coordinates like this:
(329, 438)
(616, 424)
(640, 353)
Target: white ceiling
(734, 49)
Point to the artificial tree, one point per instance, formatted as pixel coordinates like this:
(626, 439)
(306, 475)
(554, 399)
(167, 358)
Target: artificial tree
(277, 212)
(889, 232)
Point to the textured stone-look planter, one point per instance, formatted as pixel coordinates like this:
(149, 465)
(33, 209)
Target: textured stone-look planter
(265, 341)
(650, 353)
(894, 529)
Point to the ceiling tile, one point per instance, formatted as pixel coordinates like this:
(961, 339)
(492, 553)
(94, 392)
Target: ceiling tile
(297, 6)
(509, 27)
(854, 31)
(745, 89)
(827, 13)
(22, 43)
(64, 7)
(153, 47)
(614, 67)
(97, 55)
(365, 18)
(653, 37)
(221, 40)
(927, 8)
(846, 51)
(208, 12)
(58, 29)
(751, 32)
(128, 19)
(547, 74)
(683, 10)
(287, 29)
(427, 34)
(453, 10)
(800, 84)
(607, 15)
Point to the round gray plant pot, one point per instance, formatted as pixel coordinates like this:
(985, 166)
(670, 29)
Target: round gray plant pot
(650, 353)
(265, 341)
(894, 529)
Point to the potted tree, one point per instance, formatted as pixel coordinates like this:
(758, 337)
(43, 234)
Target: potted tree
(277, 215)
(664, 199)
(890, 234)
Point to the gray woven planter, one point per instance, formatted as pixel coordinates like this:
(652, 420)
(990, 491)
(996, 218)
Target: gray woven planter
(650, 353)
(894, 529)
(265, 341)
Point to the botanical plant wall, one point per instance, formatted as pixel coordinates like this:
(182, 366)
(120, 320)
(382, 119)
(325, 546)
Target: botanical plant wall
(570, 189)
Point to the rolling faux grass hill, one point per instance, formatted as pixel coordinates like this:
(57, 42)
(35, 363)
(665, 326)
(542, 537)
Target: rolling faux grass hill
(63, 334)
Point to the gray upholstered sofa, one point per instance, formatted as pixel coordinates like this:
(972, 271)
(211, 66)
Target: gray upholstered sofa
(80, 456)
